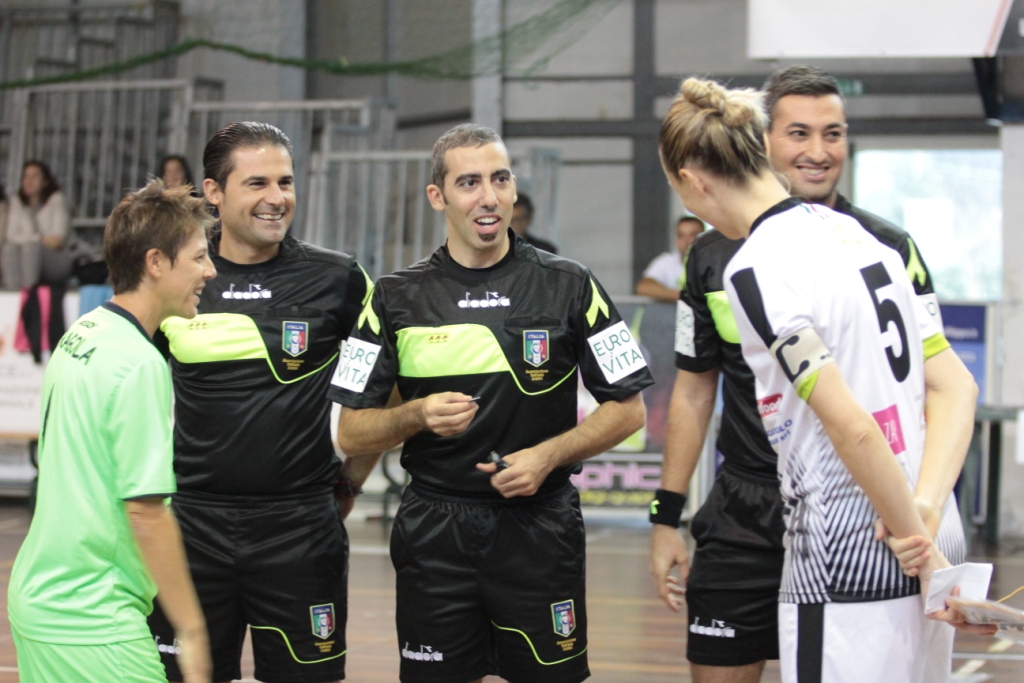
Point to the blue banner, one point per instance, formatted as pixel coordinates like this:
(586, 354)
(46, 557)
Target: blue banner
(964, 326)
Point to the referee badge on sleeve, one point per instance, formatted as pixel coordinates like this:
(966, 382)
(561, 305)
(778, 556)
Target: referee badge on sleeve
(616, 352)
(357, 360)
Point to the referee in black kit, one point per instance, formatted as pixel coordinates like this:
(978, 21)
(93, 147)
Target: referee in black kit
(484, 341)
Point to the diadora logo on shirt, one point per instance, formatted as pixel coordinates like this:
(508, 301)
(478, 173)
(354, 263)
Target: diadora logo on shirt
(425, 654)
(717, 629)
(254, 292)
(769, 405)
(490, 300)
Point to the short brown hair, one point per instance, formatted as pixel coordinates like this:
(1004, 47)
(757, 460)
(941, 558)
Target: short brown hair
(155, 217)
(716, 129)
(217, 160)
(463, 135)
(798, 80)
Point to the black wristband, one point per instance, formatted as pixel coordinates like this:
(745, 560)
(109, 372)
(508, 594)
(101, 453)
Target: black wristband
(346, 488)
(667, 508)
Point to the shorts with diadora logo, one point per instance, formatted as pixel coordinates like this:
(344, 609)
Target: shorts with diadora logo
(732, 593)
(491, 587)
(278, 567)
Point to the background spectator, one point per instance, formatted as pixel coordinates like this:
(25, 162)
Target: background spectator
(522, 219)
(662, 278)
(37, 228)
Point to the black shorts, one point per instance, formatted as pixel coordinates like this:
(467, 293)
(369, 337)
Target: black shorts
(280, 567)
(491, 588)
(732, 593)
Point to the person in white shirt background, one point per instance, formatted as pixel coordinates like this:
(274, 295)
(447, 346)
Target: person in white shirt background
(662, 277)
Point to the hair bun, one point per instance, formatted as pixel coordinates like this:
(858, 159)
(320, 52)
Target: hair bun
(704, 94)
(733, 106)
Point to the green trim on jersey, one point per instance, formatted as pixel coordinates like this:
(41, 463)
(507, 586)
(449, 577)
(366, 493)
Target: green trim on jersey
(368, 313)
(288, 644)
(725, 320)
(682, 277)
(534, 650)
(226, 337)
(935, 344)
(915, 269)
(452, 350)
(807, 386)
(598, 305)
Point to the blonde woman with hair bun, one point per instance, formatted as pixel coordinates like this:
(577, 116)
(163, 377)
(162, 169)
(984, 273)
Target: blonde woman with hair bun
(833, 333)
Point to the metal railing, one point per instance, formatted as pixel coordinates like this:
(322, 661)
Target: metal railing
(50, 40)
(98, 138)
(102, 139)
(315, 127)
(373, 204)
(45, 40)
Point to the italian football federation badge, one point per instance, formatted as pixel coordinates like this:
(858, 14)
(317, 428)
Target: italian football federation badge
(535, 347)
(295, 338)
(322, 618)
(564, 617)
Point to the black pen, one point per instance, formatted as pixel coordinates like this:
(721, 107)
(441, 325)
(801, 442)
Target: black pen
(497, 460)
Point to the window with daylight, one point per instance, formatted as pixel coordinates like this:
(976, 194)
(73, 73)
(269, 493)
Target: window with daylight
(950, 201)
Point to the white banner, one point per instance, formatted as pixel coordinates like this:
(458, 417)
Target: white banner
(21, 380)
(797, 29)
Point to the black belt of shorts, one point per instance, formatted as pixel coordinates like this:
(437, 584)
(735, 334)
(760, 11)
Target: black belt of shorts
(762, 478)
(315, 495)
(545, 493)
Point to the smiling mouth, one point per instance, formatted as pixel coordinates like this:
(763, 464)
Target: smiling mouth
(488, 223)
(812, 171)
(269, 216)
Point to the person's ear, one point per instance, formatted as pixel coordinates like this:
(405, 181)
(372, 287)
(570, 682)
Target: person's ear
(693, 180)
(155, 263)
(436, 196)
(213, 192)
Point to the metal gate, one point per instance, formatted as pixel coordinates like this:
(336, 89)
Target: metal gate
(373, 204)
(316, 128)
(103, 139)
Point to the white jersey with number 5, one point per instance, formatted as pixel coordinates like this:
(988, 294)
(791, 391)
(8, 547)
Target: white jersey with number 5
(811, 287)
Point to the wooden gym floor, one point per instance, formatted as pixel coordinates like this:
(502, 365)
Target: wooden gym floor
(633, 636)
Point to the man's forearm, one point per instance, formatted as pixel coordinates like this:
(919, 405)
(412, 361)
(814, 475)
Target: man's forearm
(159, 539)
(365, 431)
(603, 429)
(357, 469)
(689, 412)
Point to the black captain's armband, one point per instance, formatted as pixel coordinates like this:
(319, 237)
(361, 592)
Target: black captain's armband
(667, 507)
(801, 355)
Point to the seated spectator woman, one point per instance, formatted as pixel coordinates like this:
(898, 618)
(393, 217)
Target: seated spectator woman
(174, 171)
(37, 228)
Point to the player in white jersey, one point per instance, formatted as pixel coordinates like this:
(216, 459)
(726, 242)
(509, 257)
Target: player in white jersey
(833, 333)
